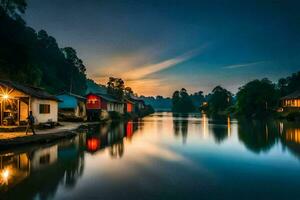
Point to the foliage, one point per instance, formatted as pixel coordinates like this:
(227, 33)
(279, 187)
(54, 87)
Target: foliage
(257, 98)
(293, 116)
(36, 59)
(115, 87)
(289, 84)
(219, 100)
(13, 8)
(198, 99)
(181, 102)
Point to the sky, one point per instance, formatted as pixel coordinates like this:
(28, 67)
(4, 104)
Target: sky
(158, 47)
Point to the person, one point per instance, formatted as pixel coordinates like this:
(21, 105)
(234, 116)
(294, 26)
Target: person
(30, 124)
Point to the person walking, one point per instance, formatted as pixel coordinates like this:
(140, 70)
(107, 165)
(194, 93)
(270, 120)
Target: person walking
(30, 124)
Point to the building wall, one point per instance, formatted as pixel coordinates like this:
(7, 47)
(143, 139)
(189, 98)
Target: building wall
(40, 117)
(93, 102)
(117, 107)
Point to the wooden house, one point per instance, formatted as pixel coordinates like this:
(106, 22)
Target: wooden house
(71, 105)
(16, 101)
(128, 106)
(291, 101)
(97, 104)
(138, 103)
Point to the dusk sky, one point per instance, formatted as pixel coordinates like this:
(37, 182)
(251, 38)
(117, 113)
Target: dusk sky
(160, 46)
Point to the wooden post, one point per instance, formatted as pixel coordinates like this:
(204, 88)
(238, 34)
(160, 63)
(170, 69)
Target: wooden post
(18, 112)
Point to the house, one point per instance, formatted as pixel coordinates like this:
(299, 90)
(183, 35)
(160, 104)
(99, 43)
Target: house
(139, 103)
(16, 101)
(71, 105)
(98, 104)
(291, 101)
(128, 106)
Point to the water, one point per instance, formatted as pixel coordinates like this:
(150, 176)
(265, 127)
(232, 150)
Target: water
(161, 157)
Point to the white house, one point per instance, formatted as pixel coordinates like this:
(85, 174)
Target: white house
(16, 101)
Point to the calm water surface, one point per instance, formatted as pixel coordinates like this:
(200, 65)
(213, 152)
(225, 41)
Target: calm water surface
(162, 156)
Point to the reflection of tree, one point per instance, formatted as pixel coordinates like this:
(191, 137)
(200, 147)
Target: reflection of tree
(219, 132)
(176, 127)
(257, 135)
(180, 126)
(219, 128)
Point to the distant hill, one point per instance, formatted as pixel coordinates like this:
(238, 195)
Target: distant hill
(159, 103)
(93, 87)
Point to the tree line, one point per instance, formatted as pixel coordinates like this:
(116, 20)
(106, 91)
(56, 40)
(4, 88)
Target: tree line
(256, 98)
(35, 58)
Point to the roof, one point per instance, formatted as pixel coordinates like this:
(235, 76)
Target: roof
(69, 100)
(107, 97)
(294, 95)
(78, 97)
(128, 100)
(135, 98)
(30, 90)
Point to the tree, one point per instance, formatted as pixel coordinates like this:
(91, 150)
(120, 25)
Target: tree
(219, 100)
(115, 87)
(198, 99)
(128, 91)
(181, 102)
(257, 98)
(36, 59)
(72, 58)
(176, 101)
(289, 84)
(13, 8)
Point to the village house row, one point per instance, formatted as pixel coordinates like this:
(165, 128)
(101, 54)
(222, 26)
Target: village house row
(18, 100)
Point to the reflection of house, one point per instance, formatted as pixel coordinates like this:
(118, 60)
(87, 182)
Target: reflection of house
(97, 102)
(13, 169)
(291, 101)
(17, 100)
(44, 157)
(71, 105)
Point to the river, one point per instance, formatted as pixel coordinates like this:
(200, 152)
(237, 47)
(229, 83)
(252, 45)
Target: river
(162, 156)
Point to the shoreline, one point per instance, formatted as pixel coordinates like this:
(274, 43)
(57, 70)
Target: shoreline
(47, 136)
(43, 137)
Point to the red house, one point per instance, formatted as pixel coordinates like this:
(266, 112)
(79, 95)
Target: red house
(96, 103)
(128, 106)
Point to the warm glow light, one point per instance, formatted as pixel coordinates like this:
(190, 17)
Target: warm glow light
(228, 126)
(5, 175)
(5, 96)
(205, 125)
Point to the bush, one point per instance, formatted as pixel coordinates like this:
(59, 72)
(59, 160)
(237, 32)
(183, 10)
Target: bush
(293, 116)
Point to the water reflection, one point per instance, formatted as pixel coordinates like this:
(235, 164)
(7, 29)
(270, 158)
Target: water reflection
(43, 169)
(43, 172)
(258, 135)
(221, 128)
(180, 126)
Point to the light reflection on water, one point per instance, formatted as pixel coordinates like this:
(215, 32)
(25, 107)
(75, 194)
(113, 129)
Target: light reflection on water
(163, 156)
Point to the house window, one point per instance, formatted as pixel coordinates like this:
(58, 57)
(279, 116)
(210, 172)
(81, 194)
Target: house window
(44, 108)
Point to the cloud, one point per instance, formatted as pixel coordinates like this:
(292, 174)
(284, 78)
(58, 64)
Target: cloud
(141, 72)
(242, 65)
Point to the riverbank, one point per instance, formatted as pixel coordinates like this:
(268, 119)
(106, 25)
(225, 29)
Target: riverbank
(17, 139)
